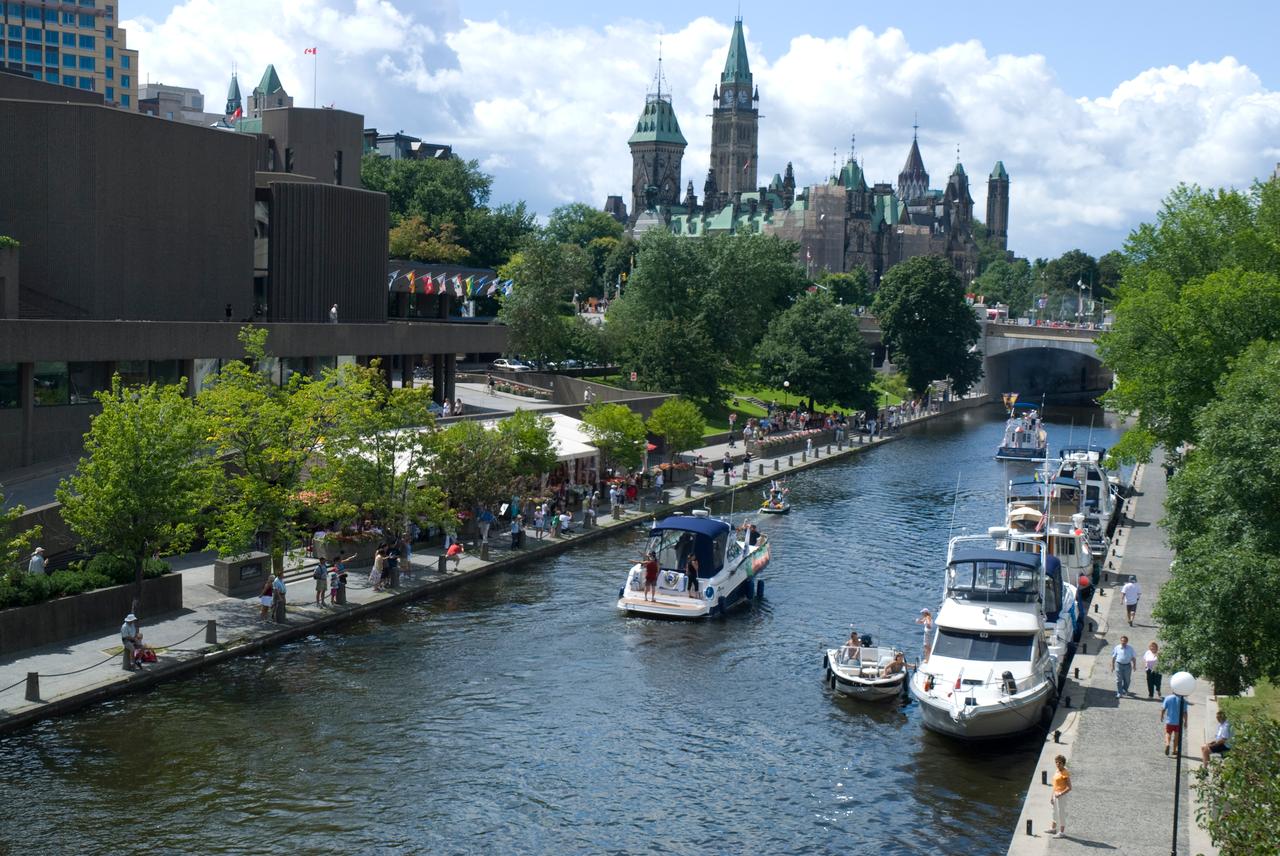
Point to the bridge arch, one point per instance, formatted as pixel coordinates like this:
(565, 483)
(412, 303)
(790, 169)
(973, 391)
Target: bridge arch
(1047, 372)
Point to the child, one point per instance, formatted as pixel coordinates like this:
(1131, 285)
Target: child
(342, 580)
(333, 585)
(321, 576)
(454, 552)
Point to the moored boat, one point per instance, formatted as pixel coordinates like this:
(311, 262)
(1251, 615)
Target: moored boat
(729, 569)
(865, 672)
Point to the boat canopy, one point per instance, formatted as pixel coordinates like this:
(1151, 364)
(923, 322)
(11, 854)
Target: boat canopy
(1064, 481)
(1092, 449)
(994, 575)
(675, 538)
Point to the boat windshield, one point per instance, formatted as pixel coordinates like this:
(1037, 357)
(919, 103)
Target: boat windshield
(989, 580)
(984, 647)
(673, 548)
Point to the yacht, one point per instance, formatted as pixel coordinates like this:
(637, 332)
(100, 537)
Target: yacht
(1083, 464)
(730, 563)
(1024, 437)
(989, 672)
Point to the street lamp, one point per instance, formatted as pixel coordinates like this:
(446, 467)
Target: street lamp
(786, 394)
(1183, 683)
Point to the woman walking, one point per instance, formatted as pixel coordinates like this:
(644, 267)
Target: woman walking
(1061, 787)
(1151, 661)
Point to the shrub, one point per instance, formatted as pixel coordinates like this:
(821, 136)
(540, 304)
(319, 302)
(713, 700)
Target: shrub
(102, 571)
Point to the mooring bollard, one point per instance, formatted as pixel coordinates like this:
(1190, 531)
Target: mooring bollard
(1084, 647)
(1057, 736)
(760, 468)
(1044, 777)
(828, 448)
(1077, 673)
(804, 456)
(775, 465)
(33, 686)
(688, 491)
(211, 632)
(1029, 826)
(1067, 701)
(484, 546)
(791, 460)
(443, 565)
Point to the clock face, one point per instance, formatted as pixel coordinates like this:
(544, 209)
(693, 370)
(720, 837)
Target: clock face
(742, 96)
(726, 97)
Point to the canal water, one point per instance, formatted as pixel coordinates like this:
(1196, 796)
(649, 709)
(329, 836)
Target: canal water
(521, 714)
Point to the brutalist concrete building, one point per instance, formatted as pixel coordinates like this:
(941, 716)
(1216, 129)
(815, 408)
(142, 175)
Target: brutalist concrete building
(144, 245)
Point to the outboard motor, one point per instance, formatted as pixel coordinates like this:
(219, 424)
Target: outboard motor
(865, 640)
(1010, 685)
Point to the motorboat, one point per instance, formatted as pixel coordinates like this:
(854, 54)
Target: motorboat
(775, 501)
(1069, 558)
(860, 672)
(1083, 464)
(989, 672)
(730, 563)
(1024, 438)
(1030, 502)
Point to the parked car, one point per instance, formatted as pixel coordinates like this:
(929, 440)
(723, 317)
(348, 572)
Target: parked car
(505, 365)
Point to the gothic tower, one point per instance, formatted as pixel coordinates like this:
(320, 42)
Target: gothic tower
(235, 107)
(657, 148)
(957, 201)
(735, 120)
(998, 206)
(913, 181)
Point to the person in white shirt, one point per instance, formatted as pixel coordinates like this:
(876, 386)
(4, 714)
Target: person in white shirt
(36, 565)
(1131, 592)
(1122, 659)
(1221, 741)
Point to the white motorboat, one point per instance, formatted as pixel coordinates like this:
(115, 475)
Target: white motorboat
(861, 674)
(729, 569)
(1024, 437)
(1083, 464)
(989, 672)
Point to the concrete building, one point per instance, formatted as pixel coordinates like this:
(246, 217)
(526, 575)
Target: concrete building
(401, 146)
(70, 44)
(146, 246)
(178, 103)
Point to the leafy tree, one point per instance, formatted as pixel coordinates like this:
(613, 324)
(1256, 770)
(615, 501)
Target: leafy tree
(580, 224)
(929, 328)
(988, 250)
(1069, 270)
(15, 543)
(492, 235)
(529, 439)
(617, 432)
(267, 433)
(679, 423)
(143, 481)
(818, 347)
(1110, 269)
(585, 341)
(413, 239)
(377, 455)
(430, 189)
(545, 275)
(851, 289)
(471, 466)
(1009, 283)
(1238, 797)
(618, 262)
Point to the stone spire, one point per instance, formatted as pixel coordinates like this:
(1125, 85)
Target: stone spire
(913, 181)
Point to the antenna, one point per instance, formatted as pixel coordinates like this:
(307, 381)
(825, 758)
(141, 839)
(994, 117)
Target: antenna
(915, 126)
(955, 499)
(853, 145)
(957, 153)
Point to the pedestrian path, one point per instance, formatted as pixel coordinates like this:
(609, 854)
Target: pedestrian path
(82, 671)
(1122, 782)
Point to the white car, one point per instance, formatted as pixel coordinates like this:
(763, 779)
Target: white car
(505, 365)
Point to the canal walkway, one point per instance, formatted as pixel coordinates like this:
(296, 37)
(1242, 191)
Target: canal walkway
(1122, 782)
(84, 671)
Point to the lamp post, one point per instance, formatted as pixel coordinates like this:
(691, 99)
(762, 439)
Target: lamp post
(1183, 684)
(786, 393)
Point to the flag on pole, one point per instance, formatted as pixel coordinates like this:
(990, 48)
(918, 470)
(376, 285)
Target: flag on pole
(429, 287)
(392, 278)
(470, 285)
(312, 51)
(237, 115)
(746, 165)
(411, 286)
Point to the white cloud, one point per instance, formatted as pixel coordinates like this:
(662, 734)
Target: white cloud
(549, 110)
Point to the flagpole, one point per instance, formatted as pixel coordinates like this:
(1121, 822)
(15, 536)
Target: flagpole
(315, 62)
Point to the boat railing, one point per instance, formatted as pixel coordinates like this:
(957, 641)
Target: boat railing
(991, 681)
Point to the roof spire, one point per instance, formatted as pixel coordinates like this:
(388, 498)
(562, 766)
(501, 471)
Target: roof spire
(915, 127)
(736, 67)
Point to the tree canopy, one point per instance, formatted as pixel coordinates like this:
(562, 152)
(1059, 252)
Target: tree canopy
(15, 543)
(617, 432)
(817, 346)
(851, 289)
(679, 423)
(537, 311)
(928, 326)
(580, 224)
(1238, 797)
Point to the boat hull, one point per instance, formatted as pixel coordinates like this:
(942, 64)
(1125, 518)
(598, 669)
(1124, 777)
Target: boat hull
(1007, 453)
(1007, 717)
(769, 509)
(740, 588)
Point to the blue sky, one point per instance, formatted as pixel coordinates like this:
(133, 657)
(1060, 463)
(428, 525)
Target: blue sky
(1097, 110)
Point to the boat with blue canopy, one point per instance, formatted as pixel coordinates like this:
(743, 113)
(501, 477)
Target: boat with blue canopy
(1024, 438)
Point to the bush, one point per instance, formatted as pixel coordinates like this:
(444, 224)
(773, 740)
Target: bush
(102, 571)
(119, 570)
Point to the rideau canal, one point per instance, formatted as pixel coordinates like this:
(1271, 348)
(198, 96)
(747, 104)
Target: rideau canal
(522, 714)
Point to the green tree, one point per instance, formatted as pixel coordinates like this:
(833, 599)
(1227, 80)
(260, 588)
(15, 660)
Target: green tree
(432, 189)
(413, 239)
(472, 466)
(492, 235)
(818, 347)
(617, 432)
(585, 341)
(1009, 283)
(529, 439)
(851, 289)
(580, 224)
(928, 326)
(143, 481)
(1237, 798)
(618, 262)
(546, 275)
(15, 543)
(679, 423)
(268, 434)
(1110, 270)
(376, 456)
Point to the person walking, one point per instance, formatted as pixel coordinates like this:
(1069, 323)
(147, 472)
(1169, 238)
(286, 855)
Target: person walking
(36, 565)
(1122, 659)
(1171, 718)
(1061, 787)
(129, 636)
(278, 592)
(333, 314)
(1151, 664)
(515, 532)
(486, 518)
(727, 466)
(321, 577)
(375, 573)
(1131, 592)
(539, 523)
(1221, 742)
(266, 597)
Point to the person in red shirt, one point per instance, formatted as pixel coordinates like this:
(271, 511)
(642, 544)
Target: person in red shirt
(454, 552)
(651, 576)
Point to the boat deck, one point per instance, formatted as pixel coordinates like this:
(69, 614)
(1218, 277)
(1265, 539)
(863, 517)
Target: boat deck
(670, 601)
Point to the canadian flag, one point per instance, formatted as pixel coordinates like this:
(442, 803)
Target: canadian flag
(311, 51)
(236, 115)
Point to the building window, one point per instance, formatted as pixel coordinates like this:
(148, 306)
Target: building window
(111, 73)
(288, 159)
(109, 33)
(337, 167)
(86, 379)
(69, 19)
(87, 63)
(51, 76)
(9, 397)
(51, 57)
(51, 384)
(111, 93)
(111, 12)
(50, 37)
(15, 32)
(111, 52)
(86, 21)
(33, 35)
(166, 372)
(124, 81)
(86, 83)
(87, 42)
(69, 39)
(15, 52)
(33, 55)
(124, 100)
(168, 114)
(51, 16)
(69, 60)
(132, 372)
(33, 12)
(68, 80)
(124, 60)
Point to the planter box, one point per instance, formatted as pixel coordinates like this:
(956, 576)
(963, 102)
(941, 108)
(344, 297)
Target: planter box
(796, 446)
(243, 575)
(363, 551)
(83, 614)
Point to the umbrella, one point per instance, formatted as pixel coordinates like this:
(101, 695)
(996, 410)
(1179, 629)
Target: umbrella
(649, 447)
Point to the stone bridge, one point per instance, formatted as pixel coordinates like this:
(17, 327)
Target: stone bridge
(1058, 363)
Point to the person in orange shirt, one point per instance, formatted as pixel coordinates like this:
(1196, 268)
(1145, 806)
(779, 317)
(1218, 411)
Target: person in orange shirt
(1061, 787)
(454, 552)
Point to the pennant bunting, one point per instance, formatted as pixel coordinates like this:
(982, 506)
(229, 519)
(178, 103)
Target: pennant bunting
(391, 278)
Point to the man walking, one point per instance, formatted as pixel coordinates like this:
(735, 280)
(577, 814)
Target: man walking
(1171, 717)
(1122, 659)
(36, 565)
(1131, 592)
(727, 464)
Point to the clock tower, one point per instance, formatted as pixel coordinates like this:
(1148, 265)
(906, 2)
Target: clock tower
(657, 149)
(735, 120)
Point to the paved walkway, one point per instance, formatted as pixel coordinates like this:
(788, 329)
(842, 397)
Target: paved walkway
(1122, 782)
(81, 671)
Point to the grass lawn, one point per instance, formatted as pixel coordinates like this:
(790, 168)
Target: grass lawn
(1265, 699)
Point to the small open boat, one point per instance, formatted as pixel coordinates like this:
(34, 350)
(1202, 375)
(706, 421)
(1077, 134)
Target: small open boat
(775, 500)
(862, 675)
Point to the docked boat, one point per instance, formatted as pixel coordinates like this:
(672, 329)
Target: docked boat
(1083, 465)
(864, 672)
(729, 569)
(1024, 438)
(989, 672)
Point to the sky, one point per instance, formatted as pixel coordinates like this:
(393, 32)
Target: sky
(1097, 110)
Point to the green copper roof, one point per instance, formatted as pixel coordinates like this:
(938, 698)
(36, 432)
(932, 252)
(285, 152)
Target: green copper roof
(959, 170)
(270, 82)
(851, 176)
(776, 183)
(998, 172)
(736, 68)
(233, 92)
(657, 124)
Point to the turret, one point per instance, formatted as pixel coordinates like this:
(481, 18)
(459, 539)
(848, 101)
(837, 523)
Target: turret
(657, 150)
(998, 206)
(735, 119)
(913, 181)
